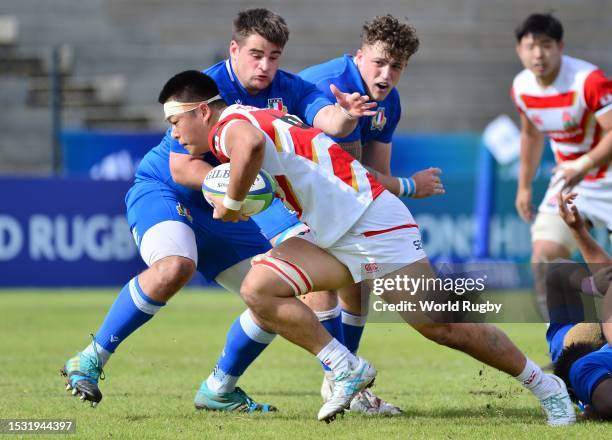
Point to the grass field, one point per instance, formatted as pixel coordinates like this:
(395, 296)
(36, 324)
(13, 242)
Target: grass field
(153, 377)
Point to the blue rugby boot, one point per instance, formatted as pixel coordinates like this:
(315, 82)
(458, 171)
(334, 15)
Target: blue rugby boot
(82, 373)
(235, 401)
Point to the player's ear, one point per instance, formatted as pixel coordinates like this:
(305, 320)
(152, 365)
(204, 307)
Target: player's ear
(234, 47)
(206, 111)
(359, 55)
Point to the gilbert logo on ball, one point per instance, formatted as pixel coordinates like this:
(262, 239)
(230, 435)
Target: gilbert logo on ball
(260, 196)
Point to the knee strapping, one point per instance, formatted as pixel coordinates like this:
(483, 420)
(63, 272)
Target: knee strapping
(289, 272)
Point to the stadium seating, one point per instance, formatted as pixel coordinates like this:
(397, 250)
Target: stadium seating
(458, 81)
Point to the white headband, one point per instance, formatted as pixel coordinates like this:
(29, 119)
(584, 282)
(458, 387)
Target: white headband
(172, 108)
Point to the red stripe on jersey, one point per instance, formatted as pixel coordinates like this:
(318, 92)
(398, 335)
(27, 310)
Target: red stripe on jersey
(300, 273)
(302, 141)
(384, 231)
(601, 171)
(341, 163)
(214, 137)
(289, 195)
(376, 186)
(561, 100)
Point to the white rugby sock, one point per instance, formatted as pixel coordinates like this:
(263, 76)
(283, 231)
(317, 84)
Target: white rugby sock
(336, 356)
(221, 382)
(532, 378)
(103, 355)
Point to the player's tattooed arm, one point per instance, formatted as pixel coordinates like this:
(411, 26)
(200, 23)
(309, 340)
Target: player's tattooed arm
(188, 170)
(532, 146)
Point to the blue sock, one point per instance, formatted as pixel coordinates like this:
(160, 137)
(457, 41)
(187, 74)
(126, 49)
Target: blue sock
(352, 327)
(245, 341)
(333, 324)
(131, 309)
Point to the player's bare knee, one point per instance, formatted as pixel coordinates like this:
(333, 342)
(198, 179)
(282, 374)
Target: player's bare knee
(255, 295)
(172, 273)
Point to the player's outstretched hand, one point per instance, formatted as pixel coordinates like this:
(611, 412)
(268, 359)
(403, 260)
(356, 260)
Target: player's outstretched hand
(228, 215)
(354, 104)
(524, 205)
(428, 183)
(568, 211)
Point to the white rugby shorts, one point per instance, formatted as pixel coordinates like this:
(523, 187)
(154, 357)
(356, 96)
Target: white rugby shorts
(383, 240)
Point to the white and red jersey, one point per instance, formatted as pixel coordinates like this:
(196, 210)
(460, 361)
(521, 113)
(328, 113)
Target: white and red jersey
(565, 111)
(324, 185)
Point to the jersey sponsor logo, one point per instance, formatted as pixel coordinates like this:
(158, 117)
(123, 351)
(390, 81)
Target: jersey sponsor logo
(277, 104)
(184, 212)
(379, 119)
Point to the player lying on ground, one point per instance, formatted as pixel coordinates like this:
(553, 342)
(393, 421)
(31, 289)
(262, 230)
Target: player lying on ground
(355, 224)
(582, 355)
(567, 100)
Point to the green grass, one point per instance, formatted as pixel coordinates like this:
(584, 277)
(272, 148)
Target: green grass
(152, 379)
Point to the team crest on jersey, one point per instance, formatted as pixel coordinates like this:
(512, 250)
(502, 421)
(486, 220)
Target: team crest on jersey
(184, 212)
(568, 121)
(379, 119)
(277, 104)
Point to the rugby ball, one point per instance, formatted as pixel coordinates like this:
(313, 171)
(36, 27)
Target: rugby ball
(260, 195)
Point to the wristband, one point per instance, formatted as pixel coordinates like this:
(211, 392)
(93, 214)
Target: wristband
(346, 112)
(232, 204)
(582, 164)
(407, 187)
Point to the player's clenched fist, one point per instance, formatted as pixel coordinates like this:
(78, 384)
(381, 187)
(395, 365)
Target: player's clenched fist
(228, 215)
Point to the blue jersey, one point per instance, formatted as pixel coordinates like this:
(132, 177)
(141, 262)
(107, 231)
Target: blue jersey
(588, 371)
(287, 91)
(344, 74)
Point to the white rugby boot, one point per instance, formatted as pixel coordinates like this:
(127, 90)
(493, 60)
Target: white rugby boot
(365, 402)
(346, 384)
(558, 406)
